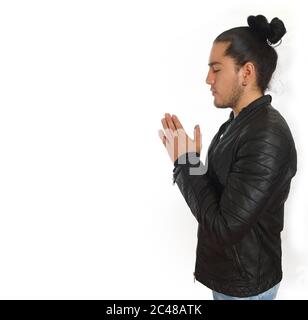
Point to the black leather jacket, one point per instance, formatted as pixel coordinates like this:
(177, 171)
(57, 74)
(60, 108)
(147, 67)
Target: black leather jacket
(238, 200)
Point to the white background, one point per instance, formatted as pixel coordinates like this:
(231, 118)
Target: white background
(87, 206)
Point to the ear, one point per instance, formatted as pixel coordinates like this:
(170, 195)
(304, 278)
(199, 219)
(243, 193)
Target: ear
(250, 69)
(248, 73)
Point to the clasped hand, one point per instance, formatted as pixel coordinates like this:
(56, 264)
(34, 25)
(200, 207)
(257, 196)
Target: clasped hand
(175, 138)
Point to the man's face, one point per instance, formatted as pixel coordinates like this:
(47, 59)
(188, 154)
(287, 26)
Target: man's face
(225, 82)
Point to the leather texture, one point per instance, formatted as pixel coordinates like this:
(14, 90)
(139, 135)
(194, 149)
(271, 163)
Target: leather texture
(238, 199)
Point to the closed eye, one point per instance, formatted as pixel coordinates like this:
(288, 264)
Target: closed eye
(216, 71)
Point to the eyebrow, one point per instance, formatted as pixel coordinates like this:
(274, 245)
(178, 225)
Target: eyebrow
(214, 62)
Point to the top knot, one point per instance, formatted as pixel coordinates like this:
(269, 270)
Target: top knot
(271, 32)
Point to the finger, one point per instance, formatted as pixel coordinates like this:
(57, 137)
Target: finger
(168, 132)
(166, 119)
(175, 149)
(177, 122)
(162, 137)
(169, 120)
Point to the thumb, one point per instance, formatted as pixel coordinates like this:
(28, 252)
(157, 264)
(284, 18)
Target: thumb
(197, 137)
(196, 131)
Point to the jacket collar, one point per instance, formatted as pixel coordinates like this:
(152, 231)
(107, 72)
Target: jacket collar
(263, 100)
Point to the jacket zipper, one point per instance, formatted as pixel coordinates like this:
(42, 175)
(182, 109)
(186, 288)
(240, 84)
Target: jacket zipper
(259, 244)
(238, 262)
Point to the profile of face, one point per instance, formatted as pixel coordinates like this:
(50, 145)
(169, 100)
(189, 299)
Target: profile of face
(226, 84)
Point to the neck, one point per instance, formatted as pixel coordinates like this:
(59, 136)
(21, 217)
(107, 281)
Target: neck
(244, 101)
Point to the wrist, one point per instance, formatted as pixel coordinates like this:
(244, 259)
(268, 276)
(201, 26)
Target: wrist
(191, 157)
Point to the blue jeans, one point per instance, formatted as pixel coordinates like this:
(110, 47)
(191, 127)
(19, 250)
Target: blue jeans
(267, 295)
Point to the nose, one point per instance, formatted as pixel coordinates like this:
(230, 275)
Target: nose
(209, 78)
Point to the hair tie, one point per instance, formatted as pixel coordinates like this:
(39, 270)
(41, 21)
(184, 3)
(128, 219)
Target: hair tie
(273, 46)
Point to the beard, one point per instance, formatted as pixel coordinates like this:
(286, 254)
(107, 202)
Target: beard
(232, 100)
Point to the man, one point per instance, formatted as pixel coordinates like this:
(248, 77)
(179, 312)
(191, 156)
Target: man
(238, 196)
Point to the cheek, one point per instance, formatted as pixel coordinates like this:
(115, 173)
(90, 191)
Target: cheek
(225, 82)
(222, 82)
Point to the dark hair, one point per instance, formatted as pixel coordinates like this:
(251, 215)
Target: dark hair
(254, 44)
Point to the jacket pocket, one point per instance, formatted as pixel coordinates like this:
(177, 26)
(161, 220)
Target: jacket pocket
(238, 263)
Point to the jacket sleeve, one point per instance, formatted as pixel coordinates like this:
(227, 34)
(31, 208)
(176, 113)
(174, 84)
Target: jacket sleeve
(260, 165)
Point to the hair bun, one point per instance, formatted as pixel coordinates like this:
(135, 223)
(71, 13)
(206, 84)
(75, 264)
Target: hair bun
(278, 30)
(273, 31)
